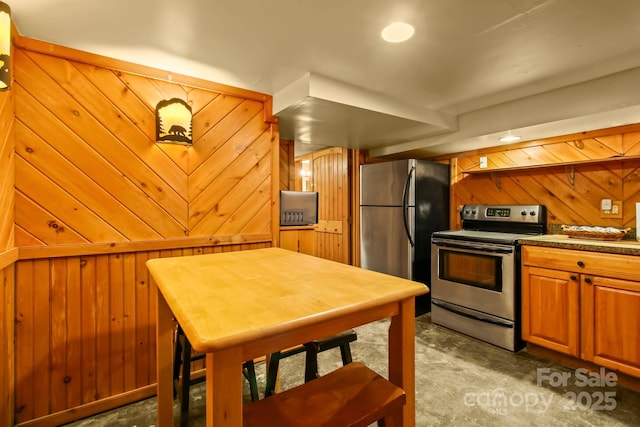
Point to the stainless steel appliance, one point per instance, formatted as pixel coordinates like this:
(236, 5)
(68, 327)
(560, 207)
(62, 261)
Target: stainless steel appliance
(475, 271)
(298, 207)
(402, 203)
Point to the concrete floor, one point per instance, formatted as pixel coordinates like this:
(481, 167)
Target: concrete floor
(459, 381)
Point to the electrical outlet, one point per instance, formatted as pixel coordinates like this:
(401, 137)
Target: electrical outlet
(614, 209)
(483, 162)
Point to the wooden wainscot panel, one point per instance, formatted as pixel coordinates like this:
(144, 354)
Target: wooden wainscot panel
(95, 198)
(7, 350)
(85, 332)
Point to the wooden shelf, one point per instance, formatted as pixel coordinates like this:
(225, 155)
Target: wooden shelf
(548, 165)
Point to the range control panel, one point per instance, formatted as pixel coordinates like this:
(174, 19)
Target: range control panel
(535, 214)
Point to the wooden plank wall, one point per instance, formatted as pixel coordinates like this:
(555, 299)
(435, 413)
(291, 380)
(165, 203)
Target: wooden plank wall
(331, 181)
(571, 176)
(7, 171)
(88, 169)
(86, 330)
(8, 255)
(95, 197)
(7, 349)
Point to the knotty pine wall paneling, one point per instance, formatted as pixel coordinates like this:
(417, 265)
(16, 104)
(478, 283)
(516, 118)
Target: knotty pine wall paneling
(7, 349)
(88, 169)
(86, 331)
(330, 174)
(95, 197)
(8, 255)
(570, 175)
(7, 171)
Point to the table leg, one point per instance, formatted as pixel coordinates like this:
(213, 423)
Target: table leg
(224, 388)
(164, 339)
(402, 358)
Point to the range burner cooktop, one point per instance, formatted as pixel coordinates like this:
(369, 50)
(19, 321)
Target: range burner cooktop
(503, 214)
(498, 223)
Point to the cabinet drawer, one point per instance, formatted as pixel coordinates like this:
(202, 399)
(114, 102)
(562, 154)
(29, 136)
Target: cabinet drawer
(601, 264)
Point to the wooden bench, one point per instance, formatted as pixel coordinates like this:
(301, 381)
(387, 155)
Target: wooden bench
(351, 396)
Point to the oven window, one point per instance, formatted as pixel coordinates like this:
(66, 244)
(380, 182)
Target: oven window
(482, 271)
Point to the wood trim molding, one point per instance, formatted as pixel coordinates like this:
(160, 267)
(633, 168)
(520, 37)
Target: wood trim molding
(92, 408)
(538, 142)
(275, 182)
(36, 252)
(268, 112)
(328, 226)
(9, 257)
(48, 48)
(550, 165)
(624, 380)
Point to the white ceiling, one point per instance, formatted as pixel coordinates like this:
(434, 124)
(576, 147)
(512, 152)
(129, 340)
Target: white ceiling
(474, 70)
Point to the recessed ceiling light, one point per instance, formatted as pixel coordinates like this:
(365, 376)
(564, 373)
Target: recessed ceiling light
(397, 32)
(510, 138)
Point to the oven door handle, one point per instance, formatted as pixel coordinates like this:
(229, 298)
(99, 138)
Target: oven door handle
(482, 248)
(448, 307)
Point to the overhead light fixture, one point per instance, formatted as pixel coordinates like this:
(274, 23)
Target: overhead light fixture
(173, 122)
(397, 32)
(5, 46)
(510, 138)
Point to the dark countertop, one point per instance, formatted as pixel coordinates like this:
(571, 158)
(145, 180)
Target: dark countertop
(624, 247)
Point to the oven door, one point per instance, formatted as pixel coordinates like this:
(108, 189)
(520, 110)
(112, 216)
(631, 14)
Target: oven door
(475, 275)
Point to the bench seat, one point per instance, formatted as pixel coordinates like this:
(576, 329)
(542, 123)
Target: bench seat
(351, 396)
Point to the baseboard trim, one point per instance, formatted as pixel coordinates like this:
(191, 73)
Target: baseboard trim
(625, 380)
(92, 408)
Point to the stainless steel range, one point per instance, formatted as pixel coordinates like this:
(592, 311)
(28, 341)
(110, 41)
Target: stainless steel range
(475, 271)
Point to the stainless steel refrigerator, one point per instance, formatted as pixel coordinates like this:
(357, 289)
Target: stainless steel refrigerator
(401, 203)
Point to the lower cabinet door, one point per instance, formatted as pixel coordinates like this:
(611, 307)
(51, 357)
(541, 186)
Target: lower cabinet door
(610, 323)
(550, 309)
(307, 242)
(299, 240)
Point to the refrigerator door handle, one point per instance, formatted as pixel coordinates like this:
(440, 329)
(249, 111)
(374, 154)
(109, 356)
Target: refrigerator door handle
(405, 209)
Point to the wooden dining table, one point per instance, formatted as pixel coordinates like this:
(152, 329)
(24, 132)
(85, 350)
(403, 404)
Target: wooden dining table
(237, 306)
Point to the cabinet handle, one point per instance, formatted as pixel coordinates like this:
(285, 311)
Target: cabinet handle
(587, 280)
(580, 264)
(573, 277)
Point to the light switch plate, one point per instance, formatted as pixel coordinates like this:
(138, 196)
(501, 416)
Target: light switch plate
(614, 211)
(483, 162)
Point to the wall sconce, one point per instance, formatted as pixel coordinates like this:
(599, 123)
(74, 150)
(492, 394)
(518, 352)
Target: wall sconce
(5, 46)
(173, 122)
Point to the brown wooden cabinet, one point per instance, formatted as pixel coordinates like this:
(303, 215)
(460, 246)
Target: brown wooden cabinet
(611, 322)
(299, 239)
(550, 309)
(584, 304)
